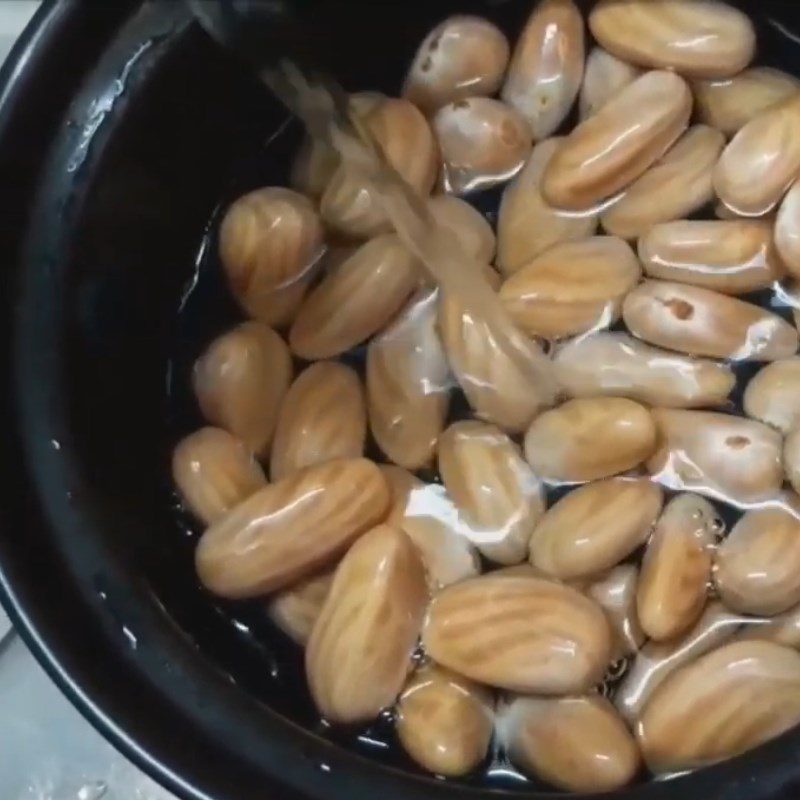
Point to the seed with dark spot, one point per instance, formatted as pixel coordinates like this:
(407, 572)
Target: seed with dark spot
(737, 442)
(680, 308)
(426, 64)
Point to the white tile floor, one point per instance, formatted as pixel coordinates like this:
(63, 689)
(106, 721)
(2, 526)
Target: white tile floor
(47, 750)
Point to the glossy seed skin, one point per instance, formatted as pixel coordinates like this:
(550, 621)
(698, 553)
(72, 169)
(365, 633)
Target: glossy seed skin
(445, 721)
(240, 381)
(730, 103)
(593, 528)
(360, 649)
(498, 385)
(761, 161)
(571, 288)
(676, 186)
(431, 520)
(732, 257)
(791, 458)
(730, 458)
(702, 322)
(615, 592)
(676, 568)
(214, 471)
(757, 567)
(610, 150)
(466, 223)
(605, 75)
(787, 230)
(617, 365)
(356, 300)
(519, 633)
(723, 704)
(663, 34)
(323, 416)
(291, 529)
(295, 610)
(464, 56)
(773, 395)
(588, 439)
(483, 142)
(269, 241)
(313, 168)
(499, 496)
(578, 744)
(408, 384)
(349, 205)
(657, 660)
(546, 68)
(527, 225)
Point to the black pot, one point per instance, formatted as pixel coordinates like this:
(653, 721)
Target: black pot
(122, 127)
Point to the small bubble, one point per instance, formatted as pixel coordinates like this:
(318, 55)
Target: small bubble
(93, 791)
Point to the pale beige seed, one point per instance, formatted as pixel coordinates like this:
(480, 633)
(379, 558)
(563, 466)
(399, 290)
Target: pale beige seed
(359, 653)
(730, 103)
(593, 528)
(616, 364)
(787, 230)
(732, 257)
(546, 67)
(615, 593)
(587, 439)
(725, 703)
(676, 569)
(722, 456)
(291, 529)
(356, 300)
(240, 380)
(677, 185)
(313, 167)
(657, 660)
(323, 416)
(605, 76)
(782, 628)
(757, 567)
(577, 744)
(702, 322)
(526, 224)
(213, 471)
(761, 161)
(721, 211)
(707, 39)
(350, 206)
(519, 633)
(445, 721)
(501, 387)
(464, 56)
(610, 150)
(295, 610)
(269, 242)
(773, 395)
(495, 491)
(483, 142)
(465, 223)
(572, 288)
(408, 384)
(432, 521)
(791, 458)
